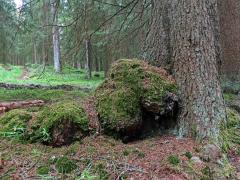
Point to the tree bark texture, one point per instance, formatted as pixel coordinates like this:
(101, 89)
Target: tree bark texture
(157, 48)
(185, 40)
(230, 37)
(195, 68)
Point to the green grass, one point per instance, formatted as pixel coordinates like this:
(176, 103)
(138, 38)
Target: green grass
(69, 76)
(47, 95)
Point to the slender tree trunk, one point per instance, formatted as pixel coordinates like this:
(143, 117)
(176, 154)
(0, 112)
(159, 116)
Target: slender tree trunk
(88, 58)
(56, 39)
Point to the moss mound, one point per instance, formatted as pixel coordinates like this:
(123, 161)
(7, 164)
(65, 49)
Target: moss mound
(14, 123)
(60, 124)
(131, 86)
(230, 132)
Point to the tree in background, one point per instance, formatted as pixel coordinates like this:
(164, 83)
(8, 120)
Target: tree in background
(229, 12)
(56, 36)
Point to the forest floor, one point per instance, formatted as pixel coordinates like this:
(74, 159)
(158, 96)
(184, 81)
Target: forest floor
(101, 157)
(37, 74)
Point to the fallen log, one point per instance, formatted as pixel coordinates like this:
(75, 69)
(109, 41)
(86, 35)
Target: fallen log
(38, 86)
(7, 106)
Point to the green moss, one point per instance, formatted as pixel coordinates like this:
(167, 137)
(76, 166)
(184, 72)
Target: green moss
(65, 165)
(188, 155)
(43, 170)
(129, 83)
(14, 123)
(174, 160)
(56, 114)
(100, 169)
(230, 132)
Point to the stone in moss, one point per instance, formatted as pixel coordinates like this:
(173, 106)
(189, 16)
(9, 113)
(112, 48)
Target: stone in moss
(43, 170)
(60, 124)
(14, 123)
(65, 165)
(132, 86)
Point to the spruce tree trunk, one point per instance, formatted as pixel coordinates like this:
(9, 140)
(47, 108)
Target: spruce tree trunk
(195, 68)
(230, 37)
(157, 48)
(184, 38)
(56, 39)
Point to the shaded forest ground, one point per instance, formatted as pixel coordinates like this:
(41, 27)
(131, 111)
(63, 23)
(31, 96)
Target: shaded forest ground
(101, 157)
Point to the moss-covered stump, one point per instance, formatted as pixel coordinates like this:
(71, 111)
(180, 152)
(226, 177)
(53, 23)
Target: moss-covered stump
(59, 124)
(135, 96)
(13, 124)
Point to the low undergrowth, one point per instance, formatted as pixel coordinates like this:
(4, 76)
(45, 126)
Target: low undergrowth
(43, 94)
(59, 124)
(230, 132)
(37, 74)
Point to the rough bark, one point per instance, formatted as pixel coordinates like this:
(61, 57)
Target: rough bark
(230, 37)
(195, 68)
(157, 49)
(184, 36)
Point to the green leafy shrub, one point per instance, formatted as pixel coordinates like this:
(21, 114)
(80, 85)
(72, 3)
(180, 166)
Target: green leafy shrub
(174, 160)
(65, 165)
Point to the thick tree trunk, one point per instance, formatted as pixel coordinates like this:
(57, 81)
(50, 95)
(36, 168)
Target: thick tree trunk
(184, 38)
(56, 39)
(230, 37)
(157, 48)
(195, 68)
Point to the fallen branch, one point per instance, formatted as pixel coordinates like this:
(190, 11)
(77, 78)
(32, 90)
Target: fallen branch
(38, 86)
(7, 106)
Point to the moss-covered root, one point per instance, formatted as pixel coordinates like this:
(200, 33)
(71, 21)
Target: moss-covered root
(13, 124)
(60, 124)
(130, 84)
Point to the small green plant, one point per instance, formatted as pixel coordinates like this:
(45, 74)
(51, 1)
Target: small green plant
(45, 135)
(65, 165)
(86, 175)
(174, 160)
(188, 155)
(126, 152)
(207, 174)
(43, 170)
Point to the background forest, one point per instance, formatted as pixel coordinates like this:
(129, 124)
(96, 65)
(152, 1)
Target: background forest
(120, 89)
